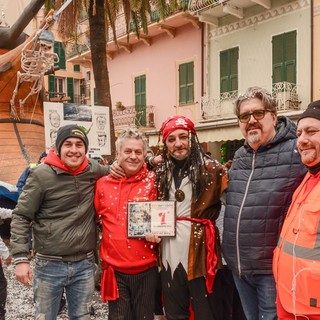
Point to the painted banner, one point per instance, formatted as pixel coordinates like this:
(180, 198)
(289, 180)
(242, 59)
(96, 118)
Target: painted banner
(93, 119)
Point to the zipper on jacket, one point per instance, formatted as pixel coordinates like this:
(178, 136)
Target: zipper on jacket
(240, 212)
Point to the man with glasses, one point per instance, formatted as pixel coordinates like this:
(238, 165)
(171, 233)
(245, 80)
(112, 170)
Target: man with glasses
(263, 176)
(296, 262)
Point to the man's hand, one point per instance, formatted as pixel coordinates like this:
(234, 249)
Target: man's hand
(116, 171)
(23, 273)
(152, 238)
(157, 159)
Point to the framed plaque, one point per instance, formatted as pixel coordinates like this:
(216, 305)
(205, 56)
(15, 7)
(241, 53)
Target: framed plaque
(157, 217)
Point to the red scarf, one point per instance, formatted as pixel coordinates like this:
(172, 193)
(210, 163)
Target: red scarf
(54, 160)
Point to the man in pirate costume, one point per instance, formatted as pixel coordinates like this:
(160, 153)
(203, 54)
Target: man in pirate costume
(189, 260)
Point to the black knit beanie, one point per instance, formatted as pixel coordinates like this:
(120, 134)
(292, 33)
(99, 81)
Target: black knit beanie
(312, 111)
(71, 131)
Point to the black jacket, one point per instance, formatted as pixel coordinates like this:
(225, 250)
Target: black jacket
(260, 188)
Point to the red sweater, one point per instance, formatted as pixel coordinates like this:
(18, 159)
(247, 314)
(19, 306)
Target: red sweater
(111, 197)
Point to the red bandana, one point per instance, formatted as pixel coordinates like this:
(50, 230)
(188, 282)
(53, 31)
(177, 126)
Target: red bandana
(174, 123)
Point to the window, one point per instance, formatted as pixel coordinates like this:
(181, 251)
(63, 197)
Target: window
(76, 67)
(59, 50)
(58, 85)
(140, 100)
(186, 83)
(284, 56)
(229, 70)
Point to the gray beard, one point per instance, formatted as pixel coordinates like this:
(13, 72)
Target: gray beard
(253, 138)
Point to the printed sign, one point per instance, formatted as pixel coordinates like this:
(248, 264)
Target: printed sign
(157, 217)
(93, 119)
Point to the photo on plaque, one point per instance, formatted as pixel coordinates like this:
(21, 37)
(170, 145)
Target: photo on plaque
(157, 217)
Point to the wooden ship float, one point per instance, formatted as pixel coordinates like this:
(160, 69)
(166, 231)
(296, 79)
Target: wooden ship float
(22, 135)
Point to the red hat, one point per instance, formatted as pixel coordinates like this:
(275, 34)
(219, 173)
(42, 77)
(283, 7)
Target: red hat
(174, 123)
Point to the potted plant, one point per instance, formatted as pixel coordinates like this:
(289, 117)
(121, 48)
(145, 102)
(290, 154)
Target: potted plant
(119, 106)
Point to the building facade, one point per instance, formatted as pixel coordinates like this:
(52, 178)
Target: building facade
(252, 43)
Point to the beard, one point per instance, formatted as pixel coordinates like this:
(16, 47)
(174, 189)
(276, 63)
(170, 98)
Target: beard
(308, 157)
(253, 137)
(179, 156)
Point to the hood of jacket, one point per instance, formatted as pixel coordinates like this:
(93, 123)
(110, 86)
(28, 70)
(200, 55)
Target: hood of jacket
(286, 130)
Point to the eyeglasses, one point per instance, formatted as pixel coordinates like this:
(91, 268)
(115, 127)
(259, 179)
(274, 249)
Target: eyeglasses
(257, 114)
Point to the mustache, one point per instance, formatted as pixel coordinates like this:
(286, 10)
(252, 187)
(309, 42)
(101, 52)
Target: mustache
(181, 148)
(304, 146)
(253, 126)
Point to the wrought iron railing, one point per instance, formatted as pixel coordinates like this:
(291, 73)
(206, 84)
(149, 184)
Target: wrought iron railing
(56, 96)
(134, 116)
(83, 42)
(202, 5)
(286, 96)
(216, 109)
(74, 48)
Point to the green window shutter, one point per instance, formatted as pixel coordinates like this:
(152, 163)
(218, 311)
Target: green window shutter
(284, 57)
(70, 89)
(51, 86)
(140, 101)
(58, 49)
(277, 59)
(182, 84)
(290, 56)
(190, 84)
(224, 67)
(234, 57)
(229, 70)
(186, 83)
(76, 67)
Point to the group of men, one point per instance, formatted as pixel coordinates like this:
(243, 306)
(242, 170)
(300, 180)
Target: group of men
(64, 198)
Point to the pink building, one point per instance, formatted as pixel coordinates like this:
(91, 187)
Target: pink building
(157, 75)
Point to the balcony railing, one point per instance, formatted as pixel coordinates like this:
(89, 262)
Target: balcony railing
(83, 42)
(284, 93)
(201, 5)
(83, 45)
(286, 96)
(217, 109)
(56, 96)
(133, 116)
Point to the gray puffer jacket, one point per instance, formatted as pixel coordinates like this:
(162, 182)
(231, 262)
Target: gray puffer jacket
(260, 188)
(60, 207)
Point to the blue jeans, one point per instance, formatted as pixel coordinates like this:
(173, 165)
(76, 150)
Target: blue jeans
(258, 296)
(51, 277)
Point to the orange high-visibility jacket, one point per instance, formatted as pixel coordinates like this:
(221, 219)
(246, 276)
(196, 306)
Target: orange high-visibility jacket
(296, 260)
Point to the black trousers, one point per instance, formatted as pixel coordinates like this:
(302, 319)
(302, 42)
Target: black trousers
(179, 293)
(226, 298)
(3, 293)
(158, 305)
(223, 304)
(137, 296)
